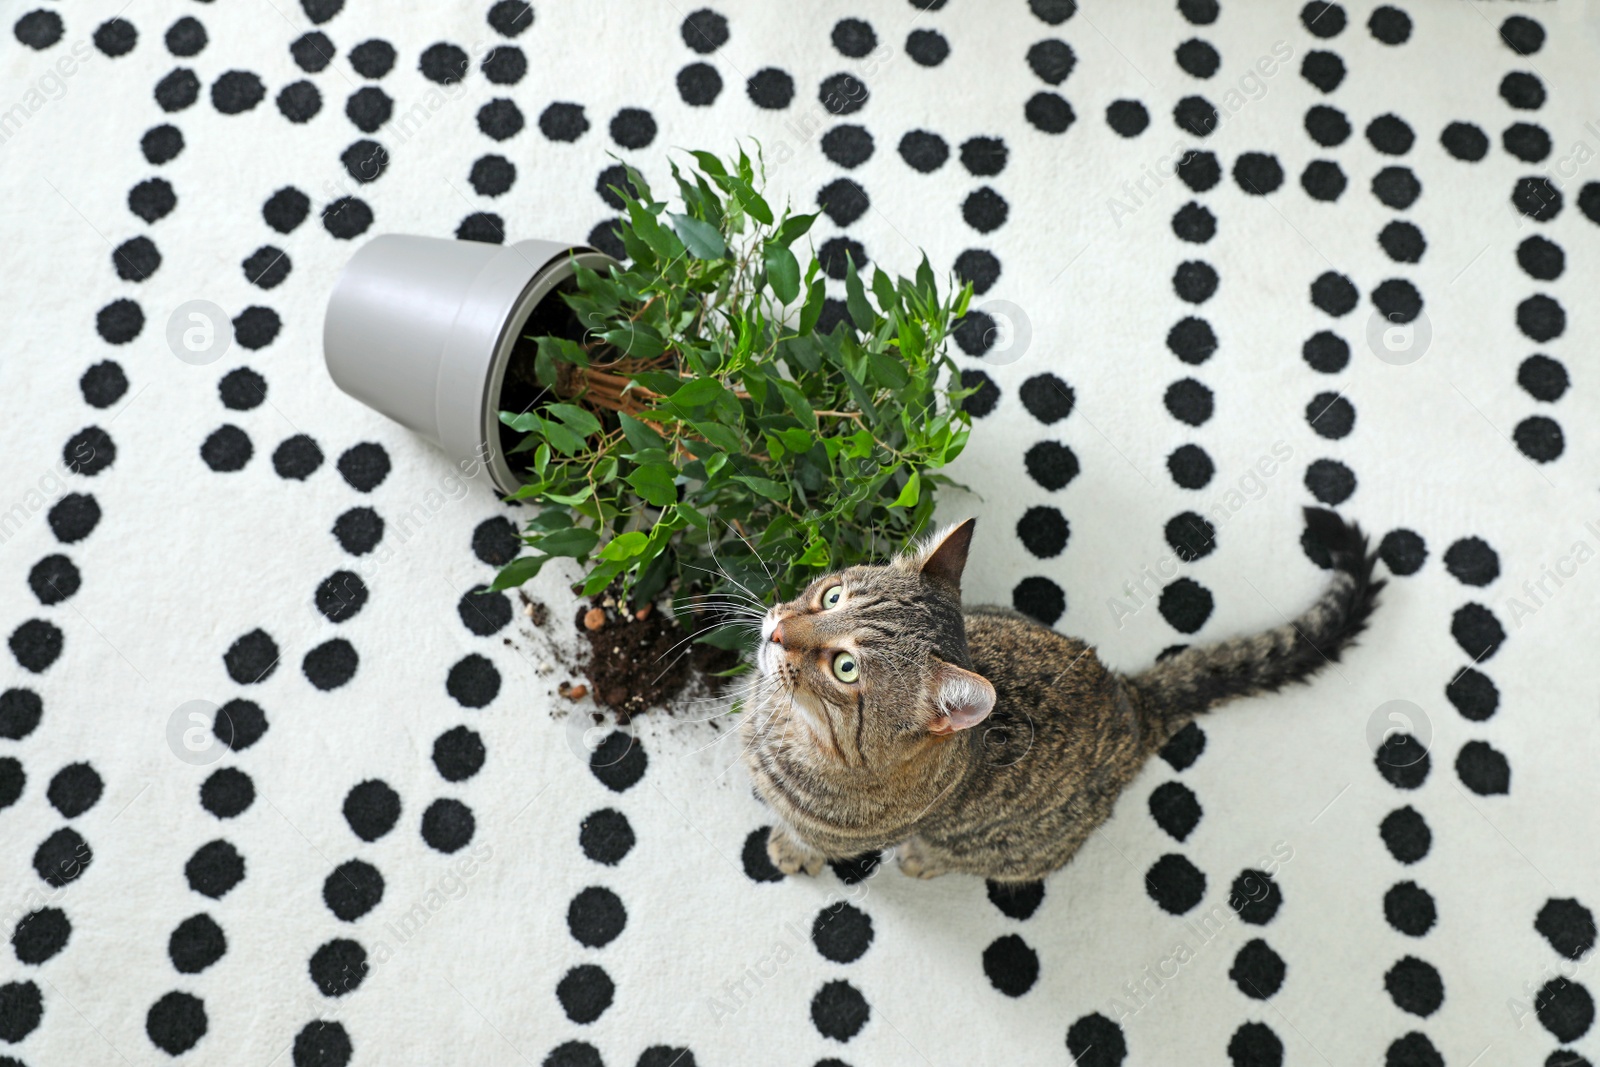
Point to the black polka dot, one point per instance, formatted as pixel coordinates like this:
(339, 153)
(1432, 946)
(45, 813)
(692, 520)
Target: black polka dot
(239, 724)
(1017, 900)
(757, 864)
(606, 837)
(286, 209)
(619, 762)
(364, 466)
(1254, 1044)
(1409, 909)
(1568, 926)
(62, 857)
(841, 94)
(505, 65)
(473, 681)
(320, 11)
(1403, 551)
(1048, 113)
(1323, 19)
(1194, 224)
(242, 389)
(1477, 631)
(322, 1044)
(347, 218)
(1324, 70)
(227, 793)
(585, 992)
(835, 254)
(1175, 884)
(1200, 171)
(297, 458)
(448, 825)
(1043, 531)
(699, 84)
(1403, 761)
(116, 37)
(853, 870)
(1011, 965)
(1406, 835)
(312, 52)
(75, 789)
(1051, 464)
(227, 449)
(1054, 12)
(1397, 300)
(365, 161)
(1539, 438)
(119, 321)
(1414, 986)
(136, 259)
(1473, 694)
(1197, 58)
(633, 127)
(1483, 769)
(1564, 1008)
(36, 644)
(1258, 173)
(178, 90)
(1191, 536)
(927, 48)
(1052, 60)
(1327, 125)
(1196, 115)
(1465, 141)
(1396, 187)
(369, 108)
(1190, 467)
(458, 754)
(1522, 90)
(1128, 118)
(331, 664)
(1189, 401)
(299, 102)
(978, 267)
(839, 1011)
(853, 37)
(1192, 340)
(1184, 747)
(1526, 141)
(1541, 318)
(847, 146)
(338, 967)
(371, 808)
(500, 120)
(1334, 293)
(985, 210)
(1537, 197)
(574, 1054)
(1257, 970)
(176, 1023)
(353, 889)
(214, 869)
(340, 596)
(1330, 415)
(358, 530)
(1194, 281)
(41, 934)
(251, 658)
(53, 579)
(1175, 809)
(1390, 25)
(444, 63)
(842, 932)
(1541, 258)
(1186, 605)
(1390, 135)
(484, 226)
(705, 31)
(195, 944)
(20, 711)
(1039, 599)
(1522, 35)
(1403, 242)
(773, 90)
(152, 199)
(1472, 562)
(1543, 378)
(39, 29)
(256, 327)
(843, 201)
(237, 91)
(987, 394)
(1047, 398)
(596, 917)
(923, 151)
(1094, 1040)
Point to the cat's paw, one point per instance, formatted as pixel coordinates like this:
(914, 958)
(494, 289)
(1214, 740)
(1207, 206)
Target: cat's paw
(917, 860)
(789, 855)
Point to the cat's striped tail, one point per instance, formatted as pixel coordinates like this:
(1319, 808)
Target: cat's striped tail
(1197, 679)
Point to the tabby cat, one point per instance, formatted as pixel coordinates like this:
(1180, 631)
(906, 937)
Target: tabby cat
(884, 716)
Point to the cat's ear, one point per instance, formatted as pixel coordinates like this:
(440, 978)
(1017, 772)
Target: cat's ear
(961, 699)
(944, 556)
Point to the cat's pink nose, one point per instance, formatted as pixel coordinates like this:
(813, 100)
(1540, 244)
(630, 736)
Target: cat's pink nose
(777, 634)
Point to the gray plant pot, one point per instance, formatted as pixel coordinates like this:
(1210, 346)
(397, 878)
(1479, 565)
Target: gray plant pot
(422, 329)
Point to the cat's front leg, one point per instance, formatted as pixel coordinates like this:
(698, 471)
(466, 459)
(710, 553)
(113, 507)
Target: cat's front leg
(918, 859)
(791, 855)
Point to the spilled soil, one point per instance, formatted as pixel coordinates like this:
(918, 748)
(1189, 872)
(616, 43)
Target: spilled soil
(640, 660)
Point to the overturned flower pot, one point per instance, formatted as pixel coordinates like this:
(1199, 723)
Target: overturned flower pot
(423, 329)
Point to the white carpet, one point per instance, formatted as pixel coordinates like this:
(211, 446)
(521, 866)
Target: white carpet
(505, 897)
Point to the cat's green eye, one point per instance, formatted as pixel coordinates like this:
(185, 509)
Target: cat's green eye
(831, 596)
(845, 667)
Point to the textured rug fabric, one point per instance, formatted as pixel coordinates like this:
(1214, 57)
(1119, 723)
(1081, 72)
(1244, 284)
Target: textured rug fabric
(278, 787)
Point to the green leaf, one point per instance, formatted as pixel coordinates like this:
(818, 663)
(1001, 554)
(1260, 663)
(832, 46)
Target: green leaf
(856, 297)
(625, 546)
(573, 541)
(562, 439)
(910, 494)
(765, 486)
(636, 340)
(522, 569)
(796, 439)
(750, 200)
(888, 370)
(655, 483)
(783, 272)
(698, 393)
(577, 418)
(816, 555)
(638, 434)
(883, 290)
(719, 435)
(710, 164)
(794, 227)
(926, 286)
(569, 500)
(813, 307)
(701, 238)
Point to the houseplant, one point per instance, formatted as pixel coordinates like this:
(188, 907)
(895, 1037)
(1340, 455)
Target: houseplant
(705, 434)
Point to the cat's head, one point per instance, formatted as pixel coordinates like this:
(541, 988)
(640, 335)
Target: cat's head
(872, 661)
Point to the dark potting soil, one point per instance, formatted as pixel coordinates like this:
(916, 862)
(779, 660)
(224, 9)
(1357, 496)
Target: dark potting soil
(636, 664)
